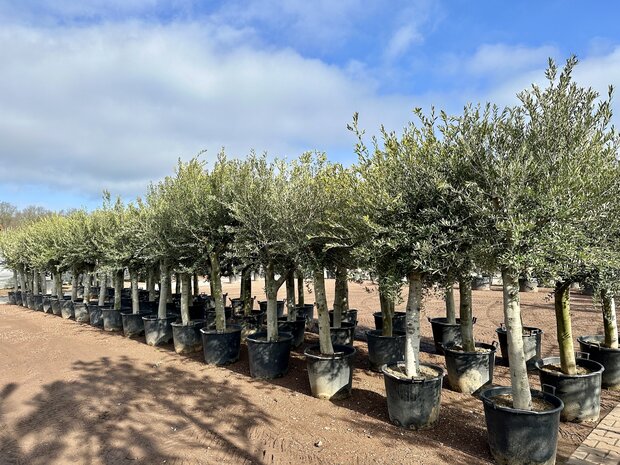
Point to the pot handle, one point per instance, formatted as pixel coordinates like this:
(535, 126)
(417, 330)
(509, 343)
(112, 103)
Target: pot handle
(428, 318)
(548, 389)
(473, 320)
(580, 354)
(502, 326)
(495, 344)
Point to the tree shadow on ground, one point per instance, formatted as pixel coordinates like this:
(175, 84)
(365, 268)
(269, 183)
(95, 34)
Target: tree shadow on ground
(113, 412)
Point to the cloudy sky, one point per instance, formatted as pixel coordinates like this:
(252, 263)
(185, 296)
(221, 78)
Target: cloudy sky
(109, 94)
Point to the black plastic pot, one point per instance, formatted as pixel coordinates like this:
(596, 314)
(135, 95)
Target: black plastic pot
(18, 297)
(384, 350)
(296, 328)
(237, 305)
(267, 359)
(307, 310)
(187, 338)
(481, 283)
(350, 316)
(445, 333)
(66, 309)
(197, 312)
(112, 319)
(520, 436)
(469, 371)
(330, 376)
(280, 307)
(148, 306)
(95, 312)
(581, 394)
(38, 302)
(57, 306)
(413, 403)
(398, 321)
(133, 325)
(158, 331)
(80, 312)
(532, 344)
(344, 335)
(30, 301)
(47, 304)
(609, 358)
(210, 316)
(221, 348)
(12, 299)
(528, 285)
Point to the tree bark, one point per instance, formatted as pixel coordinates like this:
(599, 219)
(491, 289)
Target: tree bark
(564, 330)
(118, 288)
(163, 289)
(466, 315)
(74, 284)
(169, 286)
(15, 280)
(22, 280)
(216, 292)
(387, 310)
(58, 284)
(246, 291)
(196, 289)
(340, 295)
(186, 289)
(151, 283)
(610, 324)
(300, 289)
(412, 338)
(86, 293)
(450, 307)
(135, 302)
(177, 283)
(102, 289)
(43, 283)
(325, 340)
(35, 282)
(271, 290)
(521, 395)
(291, 310)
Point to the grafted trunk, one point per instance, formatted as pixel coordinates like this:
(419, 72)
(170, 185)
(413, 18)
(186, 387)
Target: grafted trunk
(521, 395)
(196, 289)
(610, 324)
(325, 340)
(341, 297)
(412, 338)
(74, 283)
(246, 291)
(300, 289)
(118, 288)
(163, 289)
(186, 288)
(86, 293)
(216, 292)
(450, 307)
(564, 330)
(135, 302)
(290, 297)
(102, 289)
(466, 315)
(387, 310)
(271, 290)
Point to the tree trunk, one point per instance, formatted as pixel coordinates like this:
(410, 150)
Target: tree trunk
(300, 289)
(177, 283)
(74, 283)
(15, 280)
(564, 330)
(466, 315)
(169, 286)
(118, 288)
(102, 289)
(246, 291)
(163, 289)
(58, 284)
(610, 324)
(135, 302)
(325, 340)
(22, 280)
(86, 293)
(43, 283)
(216, 292)
(340, 295)
(412, 341)
(450, 307)
(290, 296)
(387, 310)
(271, 290)
(196, 290)
(186, 288)
(35, 282)
(521, 395)
(151, 283)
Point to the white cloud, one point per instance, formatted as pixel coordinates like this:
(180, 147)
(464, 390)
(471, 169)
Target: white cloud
(503, 59)
(402, 40)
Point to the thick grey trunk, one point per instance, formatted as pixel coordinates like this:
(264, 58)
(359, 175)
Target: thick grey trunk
(163, 290)
(325, 340)
(151, 285)
(521, 395)
(86, 293)
(610, 324)
(466, 315)
(135, 301)
(196, 288)
(340, 295)
(450, 307)
(216, 292)
(58, 284)
(177, 283)
(35, 282)
(186, 288)
(412, 328)
(43, 282)
(118, 288)
(74, 284)
(169, 286)
(246, 291)
(564, 329)
(22, 279)
(102, 289)
(387, 310)
(290, 296)
(15, 280)
(300, 289)
(271, 290)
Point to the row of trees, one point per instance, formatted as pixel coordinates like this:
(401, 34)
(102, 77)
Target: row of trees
(532, 189)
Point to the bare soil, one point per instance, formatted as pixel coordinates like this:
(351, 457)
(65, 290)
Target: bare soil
(73, 394)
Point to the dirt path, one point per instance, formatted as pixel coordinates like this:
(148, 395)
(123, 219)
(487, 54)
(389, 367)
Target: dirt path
(74, 394)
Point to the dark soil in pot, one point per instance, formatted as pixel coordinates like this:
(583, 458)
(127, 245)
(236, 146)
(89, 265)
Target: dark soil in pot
(350, 316)
(344, 335)
(445, 333)
(267, 359)
(67, 309)
(532, 344)
(520, 436)
(187, 338)
(133, 325)
(469, 371)
(609, 358)
(158, 331)
(398, 321)
(280, 307)
(413, 403)
(80, 312)
(112, 320)
(330, 376)
(384, 350)
(221, 348)
(581, 393)
(296, 328)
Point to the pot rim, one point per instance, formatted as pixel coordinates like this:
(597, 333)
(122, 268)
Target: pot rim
(583, 362)
(344, 352)
(229, 330)
(486, 398)
(283, 336)
(532, 329)
(371, 332)
(441, 374)
(597, 345)
(491, 347)
(155, 317)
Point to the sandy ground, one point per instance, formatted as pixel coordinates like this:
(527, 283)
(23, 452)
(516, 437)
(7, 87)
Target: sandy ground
(72, 394)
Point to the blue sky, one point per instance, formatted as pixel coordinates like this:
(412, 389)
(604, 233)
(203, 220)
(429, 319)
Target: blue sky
(109, 94)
